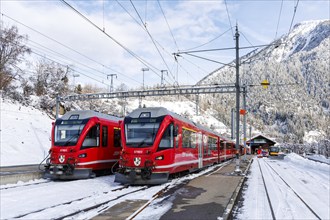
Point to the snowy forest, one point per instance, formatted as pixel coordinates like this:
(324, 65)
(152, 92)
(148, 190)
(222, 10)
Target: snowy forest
(294, 109)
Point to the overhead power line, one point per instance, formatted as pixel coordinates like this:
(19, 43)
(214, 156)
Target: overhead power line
(294, 13)
(278, 21)
(69, 48)
(153, 41)
(232, 32)
(141, 60)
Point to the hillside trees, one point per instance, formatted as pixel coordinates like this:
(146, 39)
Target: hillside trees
(12, 51)
(50, 78)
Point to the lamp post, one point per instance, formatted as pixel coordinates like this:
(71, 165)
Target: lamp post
(143, 70)
(74, 79)
(162, 77)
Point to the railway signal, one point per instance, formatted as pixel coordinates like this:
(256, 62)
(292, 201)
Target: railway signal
(265, 84)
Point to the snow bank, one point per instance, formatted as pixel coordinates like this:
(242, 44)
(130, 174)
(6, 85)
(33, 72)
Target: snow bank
(24, 134)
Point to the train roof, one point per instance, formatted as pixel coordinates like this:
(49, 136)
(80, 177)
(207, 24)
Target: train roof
(161, 111)
(84, 114)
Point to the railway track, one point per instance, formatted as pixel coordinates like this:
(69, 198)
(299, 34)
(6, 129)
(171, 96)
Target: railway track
(278, 190)
(104, 199)
(12, 186)
(60, 200)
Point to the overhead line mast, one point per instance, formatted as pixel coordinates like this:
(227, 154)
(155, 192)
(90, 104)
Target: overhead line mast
(237, 100)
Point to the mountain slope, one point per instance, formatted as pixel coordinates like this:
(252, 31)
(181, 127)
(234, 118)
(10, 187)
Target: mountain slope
(298, 68)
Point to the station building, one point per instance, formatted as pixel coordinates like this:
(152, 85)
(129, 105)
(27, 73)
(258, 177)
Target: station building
(260, 141)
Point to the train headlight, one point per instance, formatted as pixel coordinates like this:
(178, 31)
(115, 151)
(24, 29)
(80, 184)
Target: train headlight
(160, 157)
(82, 155)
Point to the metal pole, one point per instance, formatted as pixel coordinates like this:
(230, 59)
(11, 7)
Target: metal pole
(162, 77)
(197, 103)
(111, 84)
(232, 123)
(244, 120)
(143, 70)
(237, 101)
(57, 106)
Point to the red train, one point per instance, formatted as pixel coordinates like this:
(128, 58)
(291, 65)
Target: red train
(158, 143)
(83, 143)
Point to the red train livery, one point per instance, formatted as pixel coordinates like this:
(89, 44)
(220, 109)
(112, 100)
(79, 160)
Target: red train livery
(83, 143)
(158, 143)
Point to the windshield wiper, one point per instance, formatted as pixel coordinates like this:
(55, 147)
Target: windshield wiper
(69, 141)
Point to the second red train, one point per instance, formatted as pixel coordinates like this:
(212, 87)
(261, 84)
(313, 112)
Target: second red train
(158, 143)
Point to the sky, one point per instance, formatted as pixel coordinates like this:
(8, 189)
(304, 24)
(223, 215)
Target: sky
(99, 38)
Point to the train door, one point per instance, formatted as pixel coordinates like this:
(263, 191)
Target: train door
(200, 150)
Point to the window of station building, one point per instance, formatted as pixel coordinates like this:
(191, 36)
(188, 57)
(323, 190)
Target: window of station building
(92, 138)
(104, 136)
(116, 137)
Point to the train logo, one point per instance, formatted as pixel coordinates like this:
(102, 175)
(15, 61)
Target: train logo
(137, 161)
(61, 158)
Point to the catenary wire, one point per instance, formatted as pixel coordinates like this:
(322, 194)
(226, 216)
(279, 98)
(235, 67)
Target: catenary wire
(67, 47)
(153, 41)
(232, 32)
(279, 18)
(294, 13)
(141, 60)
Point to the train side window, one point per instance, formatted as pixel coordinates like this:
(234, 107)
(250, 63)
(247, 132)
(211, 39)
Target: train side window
(185, 138)
(104, 136)
(176, 136)
(188, 139)
(167, 139)
(193, 140)
(92, 138)
(116, 137)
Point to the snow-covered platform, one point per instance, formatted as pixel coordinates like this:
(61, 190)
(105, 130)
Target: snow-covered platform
(210, 196)
(14, 174)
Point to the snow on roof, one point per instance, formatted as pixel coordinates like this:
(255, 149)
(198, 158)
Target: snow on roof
(83, 114)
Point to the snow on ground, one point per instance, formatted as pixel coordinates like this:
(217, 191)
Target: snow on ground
(309, 179)
(24, 134)
(49, 200)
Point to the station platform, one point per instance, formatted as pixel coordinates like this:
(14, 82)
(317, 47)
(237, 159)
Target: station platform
(210, 196)
(13, 174)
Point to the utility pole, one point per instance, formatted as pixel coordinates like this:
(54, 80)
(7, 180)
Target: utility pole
(237, 170)
(232, 123)
(143, 70)
(244, 120)
(197, 104)
(74, 79)
(162, 77)
(111, 85)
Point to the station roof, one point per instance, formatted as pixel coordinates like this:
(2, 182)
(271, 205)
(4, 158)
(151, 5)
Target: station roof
(260, 139)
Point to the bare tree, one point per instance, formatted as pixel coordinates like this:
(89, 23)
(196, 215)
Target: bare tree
(50, 78)
(12, 51)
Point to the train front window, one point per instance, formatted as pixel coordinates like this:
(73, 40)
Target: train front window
(67, 132)
(140, 134)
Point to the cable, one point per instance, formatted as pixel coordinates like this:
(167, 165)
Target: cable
(67, 47)
(231, 27)
(144, 62)
(278, 21)
(209, 40)
(153, 41)
(294, 13)
(144, 28)
(168, 26)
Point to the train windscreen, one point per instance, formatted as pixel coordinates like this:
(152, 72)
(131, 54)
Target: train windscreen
(140, 134)
(67, 132)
